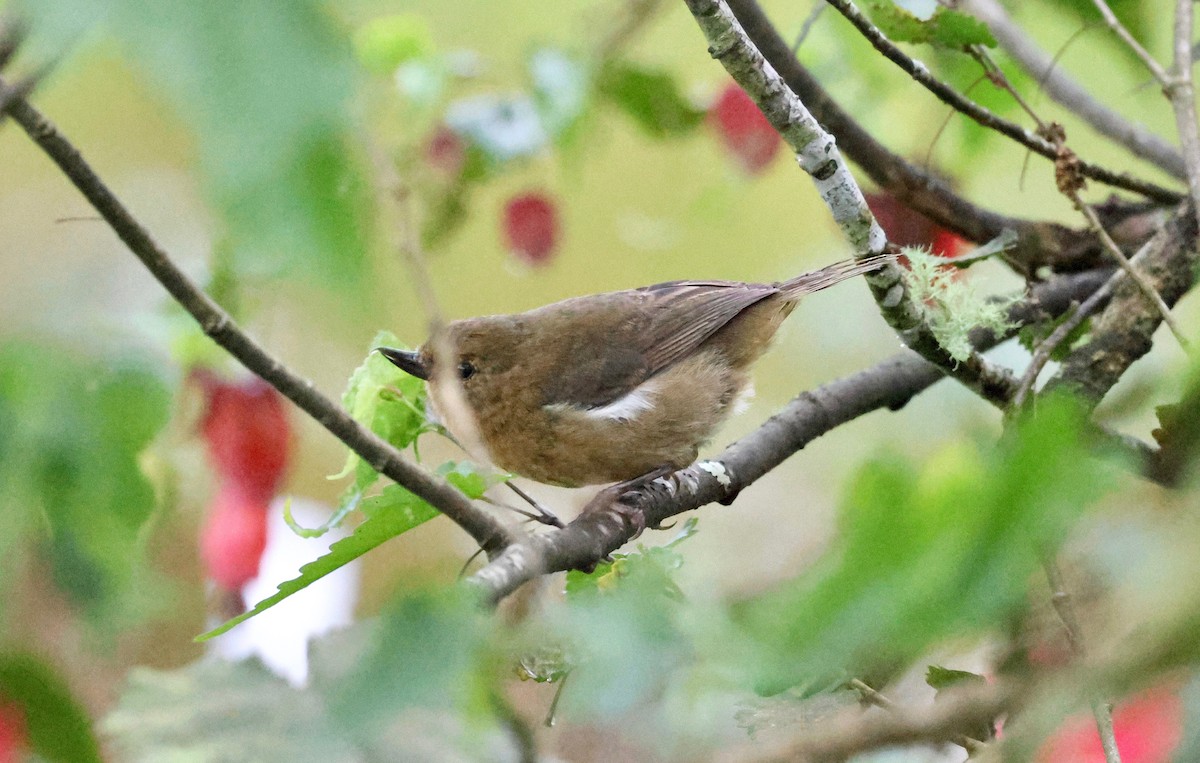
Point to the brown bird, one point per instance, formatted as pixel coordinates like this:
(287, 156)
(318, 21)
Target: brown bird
(612, 387)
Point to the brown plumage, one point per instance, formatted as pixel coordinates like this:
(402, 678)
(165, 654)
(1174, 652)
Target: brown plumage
(608, 387)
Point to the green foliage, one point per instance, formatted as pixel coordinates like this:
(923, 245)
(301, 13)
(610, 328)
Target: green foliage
(929, 552)
(945, 28)
(950, 306)
(1032, 335)
(264, 86)
(58, 728)
(651, 98)
(71, 433)
(429, 650)
(387, 401)
(393, 512)
(621, 627)
(943, 678)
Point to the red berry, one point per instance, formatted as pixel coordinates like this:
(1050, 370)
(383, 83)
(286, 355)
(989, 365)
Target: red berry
(246, 429)
(1148, 729)
(906, 226)
(947, 243)
(14, 736)
(233, 538)
(531, 227)
(446, 152)
(744, 131)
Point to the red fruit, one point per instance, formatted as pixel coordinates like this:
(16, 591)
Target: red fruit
(1148, 729)
(531, 227)
(446, 152)
(907, 227)
(233, 538)
(14, 737)
(744, 131)
(246, 429)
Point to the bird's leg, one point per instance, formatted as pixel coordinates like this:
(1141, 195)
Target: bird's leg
(544, 515)
(611, 497)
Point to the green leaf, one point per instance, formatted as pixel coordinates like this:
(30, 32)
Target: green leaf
(925, 553)
(945, 28)
(649, 570)
(58, 728)
(426, 652)
(383, 44)
(940, 678)
(73, 432)
(387, 401)
(470, 479)
(651, 98)
(393, 512)
(264, 85)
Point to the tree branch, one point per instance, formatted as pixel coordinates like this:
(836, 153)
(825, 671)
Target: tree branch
(891, 384)
(1123, 331)
(216, 323)
(1038, 243)
(818, 155)
(1065, 91)
(1182, 95)
(948, 95)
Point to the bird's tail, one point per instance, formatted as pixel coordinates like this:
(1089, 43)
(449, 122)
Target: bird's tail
(815, 280)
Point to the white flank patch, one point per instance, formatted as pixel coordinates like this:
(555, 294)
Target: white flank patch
(624, 408)
(742, 401)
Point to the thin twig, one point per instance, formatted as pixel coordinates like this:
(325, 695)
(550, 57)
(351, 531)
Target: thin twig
(809, 22)
(1047, 346)
(1182, 95)
(1061, 600)
(1143, 284)
(1115, 24)
(1036, 143)
(817, 154)
(216, 323)
(1067, 92)
(1069, 185)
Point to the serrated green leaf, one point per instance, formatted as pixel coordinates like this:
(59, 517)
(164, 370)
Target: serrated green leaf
(58, 729)
(470, 479)
(387, 401)
(393, 512)
(932, 551)
(946, 28)
(648, 570)
(651, 98)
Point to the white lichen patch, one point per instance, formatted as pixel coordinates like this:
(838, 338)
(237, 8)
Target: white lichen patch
(718, 472)
(949, 304)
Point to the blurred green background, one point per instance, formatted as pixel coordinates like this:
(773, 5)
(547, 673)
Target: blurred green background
(634, 209)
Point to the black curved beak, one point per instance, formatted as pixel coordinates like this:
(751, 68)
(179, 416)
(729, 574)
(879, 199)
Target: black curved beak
(406, 360)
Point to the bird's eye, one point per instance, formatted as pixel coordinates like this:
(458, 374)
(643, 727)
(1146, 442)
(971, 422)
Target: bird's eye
(466, 370)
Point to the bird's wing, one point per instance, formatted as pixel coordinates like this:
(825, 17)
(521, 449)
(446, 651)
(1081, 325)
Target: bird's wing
(606, 359)
(685, 313)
